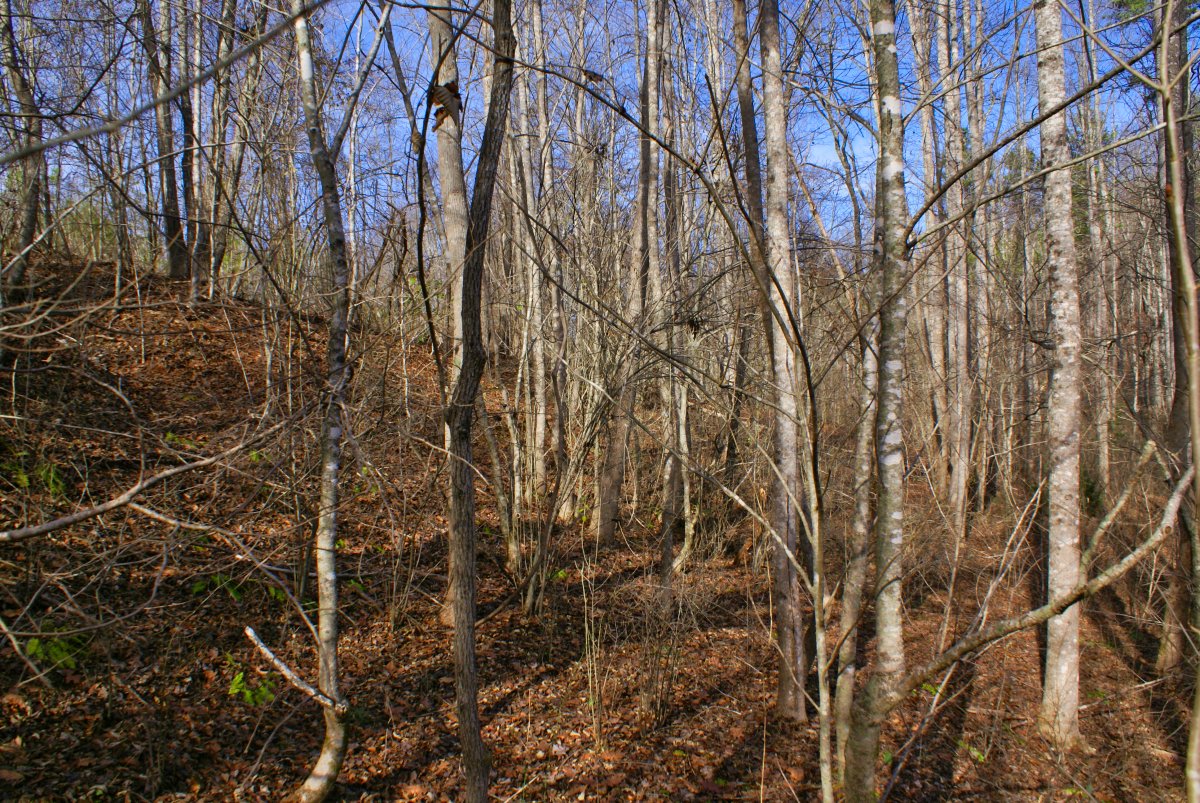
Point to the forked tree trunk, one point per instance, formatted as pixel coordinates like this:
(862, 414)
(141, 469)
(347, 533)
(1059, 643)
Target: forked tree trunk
(445, 96)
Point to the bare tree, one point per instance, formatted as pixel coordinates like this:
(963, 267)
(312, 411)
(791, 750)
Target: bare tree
(460, 413)
(12, 60)
(158, 61)
(324, 773)
(891, 263)
(1059, 718)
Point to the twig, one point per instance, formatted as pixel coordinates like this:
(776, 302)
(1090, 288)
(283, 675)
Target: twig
(974, 641)
(339, 707)
(121, 500)
(38, 674)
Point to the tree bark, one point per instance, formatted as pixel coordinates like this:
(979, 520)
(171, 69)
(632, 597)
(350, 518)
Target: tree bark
(11, 58)
(891, 264)
(1059, 717)
(781, 294)
(159, 69)
(324, 773)
(459, 415)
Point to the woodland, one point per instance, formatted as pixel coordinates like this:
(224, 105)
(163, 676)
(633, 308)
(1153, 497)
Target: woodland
(535, 400)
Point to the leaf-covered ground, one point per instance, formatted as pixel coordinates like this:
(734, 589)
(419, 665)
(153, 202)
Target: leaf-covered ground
(134, 679)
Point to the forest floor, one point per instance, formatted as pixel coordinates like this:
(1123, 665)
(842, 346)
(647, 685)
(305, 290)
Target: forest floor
(137, 682)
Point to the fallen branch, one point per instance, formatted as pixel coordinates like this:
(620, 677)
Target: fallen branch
(339, 707)
(1005, 627)
(243, 552)
(22, 533)
(33, 530)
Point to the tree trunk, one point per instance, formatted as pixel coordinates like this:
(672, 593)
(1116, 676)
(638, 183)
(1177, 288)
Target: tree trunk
(444, 53)
(958, 391)
(459, 416)
(1178, 435)
(932, 298)
(891, 213)
(324, 773)
(1059, 718)
(220, 163)
(643, 264)
(859, 557)
(11, 58)
(779, 277)
(159, 69)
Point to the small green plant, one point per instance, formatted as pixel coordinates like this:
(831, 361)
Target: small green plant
(51, 479)
(367, 486)
(16, 472)
(974, 752)
(256, 456)
(59, 652)
(256, 694)
(216, 582)
(179, 440)
(357, 585)
(276, 593)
